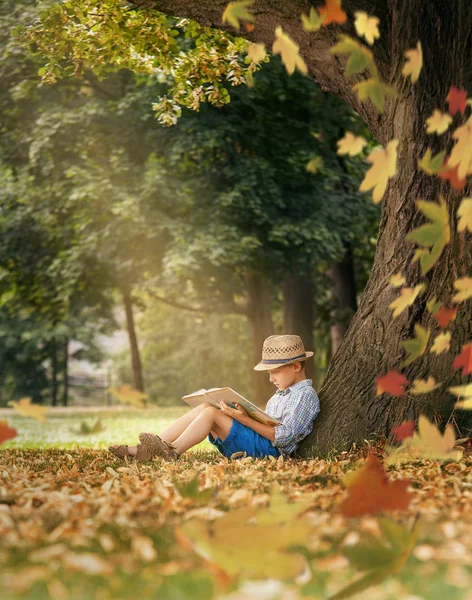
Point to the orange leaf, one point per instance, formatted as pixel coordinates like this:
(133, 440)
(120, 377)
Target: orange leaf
(392, 382)
(371, 492)
(404, 430)
(249, 26)
(457, 100)
(452, 175)
(445, 315)
(6, 433)
(464, 360)
(333, 11)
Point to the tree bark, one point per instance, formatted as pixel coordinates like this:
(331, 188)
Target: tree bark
(138, 382)
(350, 409)
(299, 298)
(65, 391)
(343, 297)
(260, 318)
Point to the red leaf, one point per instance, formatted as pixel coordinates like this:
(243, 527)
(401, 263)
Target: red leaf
(333, 11)
(249, 26)
(451, 174)
(445, 315)
(393, 383)
(6, 433)
(404, 430)
(464, 360)
(457, 100)
(371, 492)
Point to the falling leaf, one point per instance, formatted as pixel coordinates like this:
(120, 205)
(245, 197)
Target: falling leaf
(371, 492)
(463, 391)
(431, 164)
(350, 144)
(315, 164)
(256, 53)
(434, 235)
(288, 51)
(416, 346)
(6, 432)
(465, 215)
(438, 122)
(26, 409)
(461, 154)
(236, 11)
(433, 305)
(392, 382)
(414, 63)
(373, 89)
(464, 360)
(143, 547)
(360, 57)
(397, 280)
(191, 490)
(332, 12)
(423, 386)
(406, 298)
(404, 430)
(313, 22)
(128, 395)
(450, 173)
(444, 316)
(464, 287)
(457, 100)
(384, 166)
(249, 26)
(366, 26)
(441, 343)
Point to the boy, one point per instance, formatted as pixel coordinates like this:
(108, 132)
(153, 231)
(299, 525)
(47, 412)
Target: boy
(295, 404)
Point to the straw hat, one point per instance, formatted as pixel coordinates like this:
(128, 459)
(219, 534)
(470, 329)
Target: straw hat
(280, 350)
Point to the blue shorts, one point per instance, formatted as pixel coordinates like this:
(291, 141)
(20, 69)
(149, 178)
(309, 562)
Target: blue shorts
(242, 438)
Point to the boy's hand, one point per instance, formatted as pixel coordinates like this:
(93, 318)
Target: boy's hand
(238, 413)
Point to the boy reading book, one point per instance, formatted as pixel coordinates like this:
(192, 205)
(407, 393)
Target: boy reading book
(295, 405)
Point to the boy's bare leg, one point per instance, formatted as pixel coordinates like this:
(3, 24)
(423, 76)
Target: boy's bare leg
(208, 420)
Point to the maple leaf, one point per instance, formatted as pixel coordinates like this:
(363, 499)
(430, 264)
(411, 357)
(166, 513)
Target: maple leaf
(414, 63)
(450, 173)
(350, 144)
(464, 360)
(374, 90)
(384, 166)
(406, 298)
(255, 53)
(438, 122)
(431, 164)
(423, 386)
(366, 26)
(465, 215)
(392, 383)
(435, 234)
(6, 432)
(416, 346)
(313, 22)
(397, 280)
(128, 395)
(332, 12)
(464, 285)
(445, 315)
(360, 57)
(457, 100)
(370, 491)
(26, 409)
(461, 154)
(406, 429)
(441, 343)
(236, 11)
(315, 164)
(463, 391)
(433, 306)
(288, 51)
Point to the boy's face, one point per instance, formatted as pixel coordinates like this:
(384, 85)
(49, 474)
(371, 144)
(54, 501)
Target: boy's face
(284, 377)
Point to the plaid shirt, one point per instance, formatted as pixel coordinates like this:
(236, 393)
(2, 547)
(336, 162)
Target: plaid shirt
(296, 407)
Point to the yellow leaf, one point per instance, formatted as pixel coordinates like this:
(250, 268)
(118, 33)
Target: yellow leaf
(464, 285)
(313, 22)
(384, 166)
(442, 343)
(463, 391)
(461, 154)
(367, 27)
(465, 215)
(236, 11)
(127, 395)
(288, 51)
(350, 144)
(414, 63)
(315, 164)
(26, 409)
(256, 53)
(406, 298)
(423, 386)
(432, 443)
(374, 90)
(397, 280)
(438, 122)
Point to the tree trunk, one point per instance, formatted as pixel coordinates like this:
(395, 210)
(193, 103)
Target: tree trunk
(260, 317)
(138, 383)
(53, 373)
(65, 391)
(350, 408)
(343, 297)
(299, 298)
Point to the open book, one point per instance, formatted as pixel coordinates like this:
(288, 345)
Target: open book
(229, 397)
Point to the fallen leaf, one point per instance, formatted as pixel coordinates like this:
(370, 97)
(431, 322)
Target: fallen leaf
(404, 430)
(6, 432)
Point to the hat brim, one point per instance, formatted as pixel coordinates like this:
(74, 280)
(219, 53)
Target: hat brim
(263, 367)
